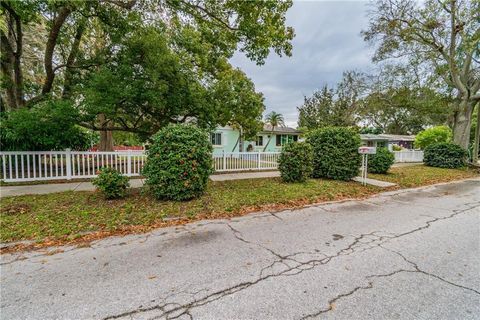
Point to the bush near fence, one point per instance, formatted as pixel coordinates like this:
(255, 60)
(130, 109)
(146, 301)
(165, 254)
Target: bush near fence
(335, 153)
(445, 155)
(381, 161)
(296, 162)
(179, 162)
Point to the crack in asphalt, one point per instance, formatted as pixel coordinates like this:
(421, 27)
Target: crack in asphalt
(357, 245)
(417, 269)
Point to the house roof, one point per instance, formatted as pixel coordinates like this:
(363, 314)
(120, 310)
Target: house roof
(268, 128)
(373, 137)
(399, 137)
(386, 137)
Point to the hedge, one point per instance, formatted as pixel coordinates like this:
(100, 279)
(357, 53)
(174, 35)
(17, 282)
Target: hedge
(335, 153)
(444, 155)
(295, 162)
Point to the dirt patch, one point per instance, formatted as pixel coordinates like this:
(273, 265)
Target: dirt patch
(15, 209)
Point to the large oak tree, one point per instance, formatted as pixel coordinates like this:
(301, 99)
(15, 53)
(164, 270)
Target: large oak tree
(444, 35)
(79, 44)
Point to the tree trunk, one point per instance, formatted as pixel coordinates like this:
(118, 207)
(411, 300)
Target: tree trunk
(240, 140)
(106, 137)
(269, 139)
(476, 143)
(462, 124)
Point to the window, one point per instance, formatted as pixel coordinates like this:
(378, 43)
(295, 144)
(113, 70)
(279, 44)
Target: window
(216, 139)
(259, 141)
(283, 139)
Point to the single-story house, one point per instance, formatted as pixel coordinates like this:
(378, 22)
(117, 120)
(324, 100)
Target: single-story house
(387, 140)
(227, 139)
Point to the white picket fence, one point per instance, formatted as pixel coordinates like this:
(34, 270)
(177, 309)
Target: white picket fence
(17, 166)
(243, 161)
(408, 156)
(59, 165)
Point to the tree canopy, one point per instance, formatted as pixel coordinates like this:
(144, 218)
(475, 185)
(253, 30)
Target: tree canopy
(137, 65)
(441, 35)
(333, 106)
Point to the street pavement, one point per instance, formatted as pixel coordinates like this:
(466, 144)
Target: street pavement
(411, 254)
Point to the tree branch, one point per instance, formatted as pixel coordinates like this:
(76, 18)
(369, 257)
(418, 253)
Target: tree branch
(59, 20)
(208, 13)
(71, 59)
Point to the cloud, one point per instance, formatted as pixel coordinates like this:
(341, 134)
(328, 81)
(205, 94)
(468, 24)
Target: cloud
(327, 42)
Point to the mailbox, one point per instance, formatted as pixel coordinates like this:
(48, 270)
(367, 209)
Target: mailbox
(367, 150)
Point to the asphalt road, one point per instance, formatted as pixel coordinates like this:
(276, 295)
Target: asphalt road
(403, 255)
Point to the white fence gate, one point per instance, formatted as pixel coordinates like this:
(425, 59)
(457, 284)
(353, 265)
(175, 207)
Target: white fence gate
(408, 156)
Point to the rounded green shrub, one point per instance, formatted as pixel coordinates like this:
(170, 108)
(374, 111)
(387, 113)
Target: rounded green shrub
(179, 162)
(335, 153)
(381, 161)
(396, 147)
(295, 162)
(433, 135)
(111, 183)
(444, 155)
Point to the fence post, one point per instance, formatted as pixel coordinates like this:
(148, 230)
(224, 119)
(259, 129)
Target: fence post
(258, 160)
(129, 163)
(68, 159)
(224, 162)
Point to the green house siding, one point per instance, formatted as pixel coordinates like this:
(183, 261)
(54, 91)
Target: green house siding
(230, 143)
(229, 138)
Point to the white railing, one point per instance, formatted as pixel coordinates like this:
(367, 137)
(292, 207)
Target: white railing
(66, 165)
(245, 161)
(408, 156)
(59, 165)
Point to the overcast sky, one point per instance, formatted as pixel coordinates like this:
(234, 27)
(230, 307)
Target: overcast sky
(327, 42)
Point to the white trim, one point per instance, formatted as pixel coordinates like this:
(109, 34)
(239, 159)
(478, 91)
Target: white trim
(221, 140)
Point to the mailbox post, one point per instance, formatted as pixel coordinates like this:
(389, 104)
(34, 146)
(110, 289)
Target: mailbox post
(365, 151)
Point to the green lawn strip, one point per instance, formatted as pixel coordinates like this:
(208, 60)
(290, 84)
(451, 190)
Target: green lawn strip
(71, 214)
(420, 175)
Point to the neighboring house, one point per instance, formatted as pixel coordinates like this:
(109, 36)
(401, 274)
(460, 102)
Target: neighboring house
(227, 139)
(387, 140)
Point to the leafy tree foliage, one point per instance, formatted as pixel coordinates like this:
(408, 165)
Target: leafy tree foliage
(180, 48)
(333, 107)
(274, 120)
(50, 125)
(433, 135)
(370, 130)
(179, 162)
(403, 110)
(441, 35)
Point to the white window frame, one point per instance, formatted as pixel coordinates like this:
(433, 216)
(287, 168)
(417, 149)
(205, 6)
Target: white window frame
(221, 139)
(263, 141)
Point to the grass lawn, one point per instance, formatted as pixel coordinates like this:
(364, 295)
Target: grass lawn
(419, 175)
(82, 216)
